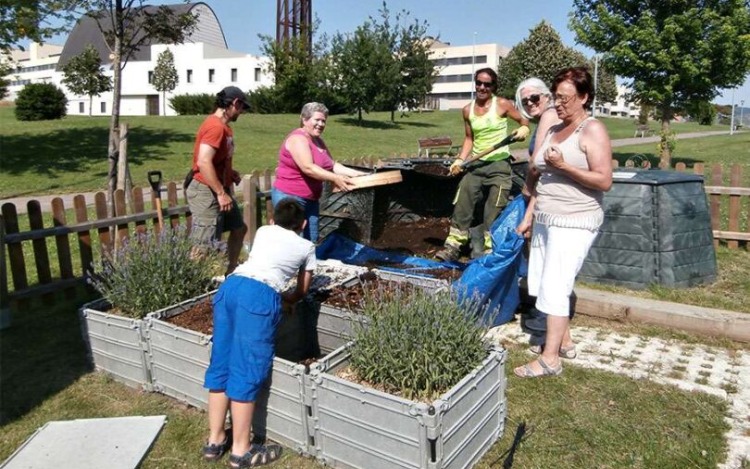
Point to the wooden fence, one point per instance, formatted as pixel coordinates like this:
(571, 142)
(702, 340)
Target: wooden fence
(18, 245)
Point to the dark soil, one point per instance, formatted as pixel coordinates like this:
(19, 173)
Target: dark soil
(442, 274)
(198, 318)
(352, 297)
(433, 169)
(421, 238)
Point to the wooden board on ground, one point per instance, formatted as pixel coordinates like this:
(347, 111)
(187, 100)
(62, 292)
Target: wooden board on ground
(377, 179)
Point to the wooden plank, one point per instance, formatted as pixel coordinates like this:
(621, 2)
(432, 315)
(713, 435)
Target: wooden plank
(174, 219)
(680, 166)
(39, 246)
(699, 169)
(734, 235)
(105, 240)
(63, 245)
(377, 179)
(727, 190)
(137, 208)
(735, 178)
(4, 298)
(695, 319)
(715, 201)
(15, 249)
(84, 236)
(269, 202)
(121, 209)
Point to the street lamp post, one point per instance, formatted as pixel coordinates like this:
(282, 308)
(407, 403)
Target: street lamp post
(742, 108)
(473, 62)
(596, 83)
(731, 121)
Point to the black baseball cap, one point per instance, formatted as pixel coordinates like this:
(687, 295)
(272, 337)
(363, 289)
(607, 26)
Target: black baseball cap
(230, 93)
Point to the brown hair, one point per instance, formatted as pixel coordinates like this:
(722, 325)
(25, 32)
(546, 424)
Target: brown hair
(580, 78)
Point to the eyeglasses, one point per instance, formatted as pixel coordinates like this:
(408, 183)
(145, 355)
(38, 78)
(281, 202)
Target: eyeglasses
(486, 84)
(561, 99)
(533, 99)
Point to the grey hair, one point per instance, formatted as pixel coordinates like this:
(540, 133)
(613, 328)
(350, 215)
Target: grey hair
(311, 108)
(535, 84)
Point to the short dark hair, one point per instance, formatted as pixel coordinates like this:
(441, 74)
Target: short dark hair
(580, 78)
(289, 214)
(489, 71)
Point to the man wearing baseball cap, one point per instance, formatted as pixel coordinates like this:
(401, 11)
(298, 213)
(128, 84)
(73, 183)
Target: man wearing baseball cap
(209, 184)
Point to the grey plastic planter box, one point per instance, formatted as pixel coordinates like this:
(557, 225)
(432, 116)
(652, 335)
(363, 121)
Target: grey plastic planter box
(180, 357)
(335, 325)
(116, 344)
(360, 427)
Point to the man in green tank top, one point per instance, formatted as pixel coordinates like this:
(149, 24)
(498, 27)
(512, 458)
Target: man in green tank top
(485, 124)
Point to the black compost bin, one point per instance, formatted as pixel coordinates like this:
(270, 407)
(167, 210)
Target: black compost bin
(657, 230)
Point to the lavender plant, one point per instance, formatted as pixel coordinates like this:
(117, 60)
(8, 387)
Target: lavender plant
(417, 343)
(150, 272)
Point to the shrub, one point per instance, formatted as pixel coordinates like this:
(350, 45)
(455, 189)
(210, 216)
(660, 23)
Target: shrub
(150, 272)
(193, 104)
(264, 100)
(41, 101)
(417, 343)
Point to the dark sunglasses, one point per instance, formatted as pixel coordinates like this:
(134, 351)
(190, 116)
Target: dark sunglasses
(486, 84)
(533, 99)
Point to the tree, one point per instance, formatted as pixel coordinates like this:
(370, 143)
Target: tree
(165, 75)
(40, 101)
(540, 55)
(128, 25)
(702, 112)
(359, 63)
(32, 19)
(673, 52)
(5, 70)
(83, 75)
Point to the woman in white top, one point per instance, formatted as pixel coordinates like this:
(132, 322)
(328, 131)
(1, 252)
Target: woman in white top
(570, 171)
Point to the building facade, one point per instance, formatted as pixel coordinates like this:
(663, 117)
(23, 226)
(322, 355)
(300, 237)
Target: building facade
(35, 65)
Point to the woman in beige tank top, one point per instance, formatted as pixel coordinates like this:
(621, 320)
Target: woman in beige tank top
(569, 173)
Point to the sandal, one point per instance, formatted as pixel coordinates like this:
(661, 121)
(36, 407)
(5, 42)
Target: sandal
(259, 455)
(568, 352)
(526, 371)
(212, 452)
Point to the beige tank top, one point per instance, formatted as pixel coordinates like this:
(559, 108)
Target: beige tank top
(561, 201)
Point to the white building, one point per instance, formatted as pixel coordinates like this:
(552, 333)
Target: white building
(621, 107)
(204, 64)
(454, 87)
(35, 65)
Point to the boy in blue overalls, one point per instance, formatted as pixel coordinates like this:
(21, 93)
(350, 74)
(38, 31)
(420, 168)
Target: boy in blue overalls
(247, 310)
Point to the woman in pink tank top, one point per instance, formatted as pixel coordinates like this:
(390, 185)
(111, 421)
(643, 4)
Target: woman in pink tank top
(305, 163)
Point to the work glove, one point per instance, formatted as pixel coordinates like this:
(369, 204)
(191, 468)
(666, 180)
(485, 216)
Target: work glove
(521, 133)
(456, 168)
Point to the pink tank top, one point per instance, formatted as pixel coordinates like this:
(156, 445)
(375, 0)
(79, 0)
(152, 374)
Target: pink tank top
(290, 178)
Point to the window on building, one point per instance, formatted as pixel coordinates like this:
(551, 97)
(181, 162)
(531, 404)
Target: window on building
(257, 73)
(234, 75)
(211, 74)
(81, 108)
(189, 76)
(150, 77)
(103, 107)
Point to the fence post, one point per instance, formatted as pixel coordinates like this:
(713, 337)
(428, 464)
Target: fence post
(63, 246)
(735, 176)
(715, 204)
(5, 317)
(41, 255)
(250, 196)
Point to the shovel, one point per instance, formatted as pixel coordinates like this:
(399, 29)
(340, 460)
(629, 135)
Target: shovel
(154, 178)
(506, 141)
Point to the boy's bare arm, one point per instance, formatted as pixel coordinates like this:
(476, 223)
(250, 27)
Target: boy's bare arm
(304, 280)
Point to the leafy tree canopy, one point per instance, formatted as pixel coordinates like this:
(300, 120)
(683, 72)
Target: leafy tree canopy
(31, 19)
(165, 75)
(83, 75)
(672, 51)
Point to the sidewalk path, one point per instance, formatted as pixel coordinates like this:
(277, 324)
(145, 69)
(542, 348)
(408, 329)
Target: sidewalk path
(690, 367)
(46, 200)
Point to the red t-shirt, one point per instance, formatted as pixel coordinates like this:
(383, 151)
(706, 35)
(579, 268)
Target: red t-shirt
(218, 135)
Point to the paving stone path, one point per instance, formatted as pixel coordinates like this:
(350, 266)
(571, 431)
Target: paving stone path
(690, 367)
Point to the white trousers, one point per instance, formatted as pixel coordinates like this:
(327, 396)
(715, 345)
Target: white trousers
(556, 257)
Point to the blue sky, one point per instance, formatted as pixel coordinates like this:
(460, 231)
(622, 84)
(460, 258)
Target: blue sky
(460, 22)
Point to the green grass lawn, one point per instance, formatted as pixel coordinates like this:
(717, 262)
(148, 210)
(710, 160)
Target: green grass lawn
(584, 418)
(69, 155)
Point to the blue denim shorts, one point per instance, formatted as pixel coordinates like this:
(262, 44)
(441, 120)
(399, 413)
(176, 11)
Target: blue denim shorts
(246, 314)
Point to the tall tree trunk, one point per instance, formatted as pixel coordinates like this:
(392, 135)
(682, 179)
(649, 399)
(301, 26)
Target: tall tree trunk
(114, 127)
(393, 115)
(91, 102)
(665, 153)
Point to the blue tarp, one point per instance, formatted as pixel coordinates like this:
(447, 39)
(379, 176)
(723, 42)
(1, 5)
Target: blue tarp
(492, 280)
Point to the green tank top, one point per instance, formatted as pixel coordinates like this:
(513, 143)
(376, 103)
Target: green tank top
(488, 130)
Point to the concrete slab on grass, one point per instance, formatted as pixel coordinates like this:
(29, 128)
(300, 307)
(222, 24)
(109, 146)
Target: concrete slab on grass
(114, 443)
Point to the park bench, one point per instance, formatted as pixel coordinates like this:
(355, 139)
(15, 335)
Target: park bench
(643, 131)
(439, 145)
